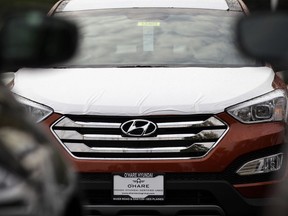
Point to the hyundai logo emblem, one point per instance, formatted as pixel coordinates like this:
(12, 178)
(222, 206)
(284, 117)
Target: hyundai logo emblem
(138, 128)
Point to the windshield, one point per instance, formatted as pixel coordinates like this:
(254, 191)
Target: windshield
(156, 37)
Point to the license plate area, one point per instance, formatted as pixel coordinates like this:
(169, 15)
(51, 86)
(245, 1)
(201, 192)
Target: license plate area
(138, 187)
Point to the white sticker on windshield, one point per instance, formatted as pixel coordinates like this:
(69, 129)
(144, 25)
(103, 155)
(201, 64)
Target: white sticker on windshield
(148, 39)
(147, 24)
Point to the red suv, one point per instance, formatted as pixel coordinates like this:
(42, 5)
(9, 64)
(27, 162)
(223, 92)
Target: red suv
(160, 112)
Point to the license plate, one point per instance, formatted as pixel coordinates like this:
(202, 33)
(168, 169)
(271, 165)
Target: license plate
(138, 186)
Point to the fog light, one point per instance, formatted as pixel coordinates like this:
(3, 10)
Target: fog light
(262, 165)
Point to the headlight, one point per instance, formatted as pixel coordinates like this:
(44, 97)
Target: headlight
(268, 107)
(37, 111)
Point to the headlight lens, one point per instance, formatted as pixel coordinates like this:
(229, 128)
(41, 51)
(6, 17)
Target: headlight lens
(37, 111)
(268, 107)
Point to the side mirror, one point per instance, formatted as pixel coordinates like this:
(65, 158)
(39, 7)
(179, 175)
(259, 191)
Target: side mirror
(33, 40)
(265, 37)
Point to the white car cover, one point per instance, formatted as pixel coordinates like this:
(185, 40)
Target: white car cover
(142, 91)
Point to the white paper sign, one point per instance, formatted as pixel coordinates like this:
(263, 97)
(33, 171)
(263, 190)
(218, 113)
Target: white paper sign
(138, 186)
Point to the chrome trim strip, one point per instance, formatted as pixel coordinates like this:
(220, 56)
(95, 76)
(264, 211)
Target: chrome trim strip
(98, 124)
(74, 135)
(81, 147)
(212, 121)
(179, 124)
(66, 122)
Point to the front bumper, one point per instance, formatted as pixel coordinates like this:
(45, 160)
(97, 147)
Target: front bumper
(183, 197)
(203, 186)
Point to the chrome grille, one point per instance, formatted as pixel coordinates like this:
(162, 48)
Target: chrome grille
(176, 137)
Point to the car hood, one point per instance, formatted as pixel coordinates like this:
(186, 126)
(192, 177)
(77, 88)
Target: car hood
(142, 91)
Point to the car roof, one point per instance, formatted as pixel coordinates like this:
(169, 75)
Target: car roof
(78, 5)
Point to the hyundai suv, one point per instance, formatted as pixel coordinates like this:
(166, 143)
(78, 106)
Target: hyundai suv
(159, 111)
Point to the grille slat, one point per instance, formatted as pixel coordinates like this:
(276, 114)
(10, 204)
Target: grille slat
(66, 122)
(74, 135)
(74, 147)
(190, 136)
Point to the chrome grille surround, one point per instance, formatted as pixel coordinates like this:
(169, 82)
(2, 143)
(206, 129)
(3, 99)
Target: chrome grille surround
(100, 140)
